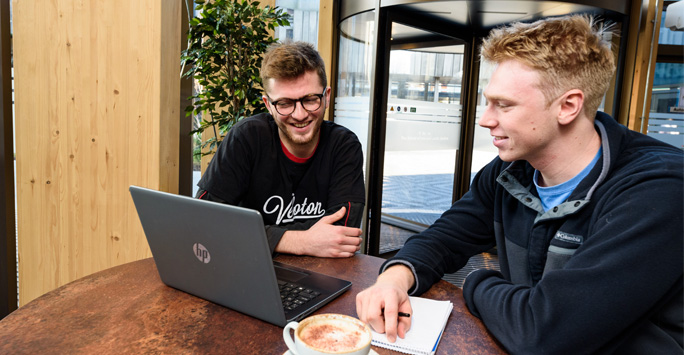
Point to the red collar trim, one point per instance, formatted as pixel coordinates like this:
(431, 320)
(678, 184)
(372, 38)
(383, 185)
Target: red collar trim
(297, 159)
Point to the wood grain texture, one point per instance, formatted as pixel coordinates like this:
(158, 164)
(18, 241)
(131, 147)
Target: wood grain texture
(642, 47)
(96, 94)
(128, 310)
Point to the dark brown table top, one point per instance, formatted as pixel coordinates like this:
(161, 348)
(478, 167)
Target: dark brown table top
(128, 310)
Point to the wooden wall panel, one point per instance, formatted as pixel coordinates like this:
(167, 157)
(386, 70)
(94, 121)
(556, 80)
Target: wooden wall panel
(96, 93)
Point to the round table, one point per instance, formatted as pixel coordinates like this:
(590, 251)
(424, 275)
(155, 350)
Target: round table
(128, 310)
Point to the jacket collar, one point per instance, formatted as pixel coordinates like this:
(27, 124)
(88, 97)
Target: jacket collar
(611, 134)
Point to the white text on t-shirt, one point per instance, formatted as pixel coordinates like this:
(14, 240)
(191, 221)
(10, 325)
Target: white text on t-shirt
(292, 211)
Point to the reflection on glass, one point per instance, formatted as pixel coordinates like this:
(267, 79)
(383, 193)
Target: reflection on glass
(666, 113)
(303, 21)
(483, 149)
(424, 76)
(352, 101)
(668, 36)
(423, 133)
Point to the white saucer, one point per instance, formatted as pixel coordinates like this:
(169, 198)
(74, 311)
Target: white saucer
(372, 352)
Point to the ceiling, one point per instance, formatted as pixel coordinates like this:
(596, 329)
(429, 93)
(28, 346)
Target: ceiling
(480, 15)
(492, 13)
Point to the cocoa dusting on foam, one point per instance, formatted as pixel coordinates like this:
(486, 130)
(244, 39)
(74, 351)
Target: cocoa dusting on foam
(331, 338)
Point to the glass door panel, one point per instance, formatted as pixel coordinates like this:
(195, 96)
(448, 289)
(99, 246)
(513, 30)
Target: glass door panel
(423, 129)
(666, 113)
(352, 100)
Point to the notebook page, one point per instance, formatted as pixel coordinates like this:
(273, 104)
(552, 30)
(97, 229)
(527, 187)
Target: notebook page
(427, 323)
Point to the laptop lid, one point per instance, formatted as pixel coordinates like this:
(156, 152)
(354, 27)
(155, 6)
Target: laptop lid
(220, 253)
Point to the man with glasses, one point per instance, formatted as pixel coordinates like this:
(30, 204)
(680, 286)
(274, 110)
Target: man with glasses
(302, 173)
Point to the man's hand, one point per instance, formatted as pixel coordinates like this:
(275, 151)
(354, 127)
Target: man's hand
(380, 304)
(323, 239)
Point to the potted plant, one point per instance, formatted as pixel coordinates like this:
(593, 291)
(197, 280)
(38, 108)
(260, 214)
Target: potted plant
(225, 46)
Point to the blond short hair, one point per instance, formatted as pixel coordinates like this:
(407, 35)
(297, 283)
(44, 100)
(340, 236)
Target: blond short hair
(291, 60)
(569, 52)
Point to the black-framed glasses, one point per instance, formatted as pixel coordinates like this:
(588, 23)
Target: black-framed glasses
(310, 103)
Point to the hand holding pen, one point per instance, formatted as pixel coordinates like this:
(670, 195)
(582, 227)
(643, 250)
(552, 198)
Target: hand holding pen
(386, 308)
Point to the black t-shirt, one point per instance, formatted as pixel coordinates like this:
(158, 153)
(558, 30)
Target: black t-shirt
(251, 170)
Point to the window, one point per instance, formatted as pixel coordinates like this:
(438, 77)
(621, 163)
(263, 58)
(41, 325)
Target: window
(666, 112)
(303, 21)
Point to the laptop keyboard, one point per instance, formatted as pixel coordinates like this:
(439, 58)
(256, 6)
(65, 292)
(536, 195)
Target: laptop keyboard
(294, 295)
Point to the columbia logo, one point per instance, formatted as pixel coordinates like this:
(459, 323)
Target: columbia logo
(567, 237)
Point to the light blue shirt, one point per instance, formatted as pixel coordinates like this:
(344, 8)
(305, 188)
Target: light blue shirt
(555, 195)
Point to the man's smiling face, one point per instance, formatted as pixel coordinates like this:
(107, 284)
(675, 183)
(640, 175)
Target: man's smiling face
(300, 130)
(521, 123)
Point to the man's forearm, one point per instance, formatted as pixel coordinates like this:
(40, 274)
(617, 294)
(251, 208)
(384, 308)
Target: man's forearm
(399, 275)
(289, 243)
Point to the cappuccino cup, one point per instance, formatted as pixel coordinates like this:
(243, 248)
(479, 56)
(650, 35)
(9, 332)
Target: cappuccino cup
(328, 334)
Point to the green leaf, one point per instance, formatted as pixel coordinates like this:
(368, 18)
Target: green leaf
(226, 43)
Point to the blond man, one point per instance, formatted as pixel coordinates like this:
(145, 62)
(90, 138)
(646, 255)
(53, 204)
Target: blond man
(586, 215)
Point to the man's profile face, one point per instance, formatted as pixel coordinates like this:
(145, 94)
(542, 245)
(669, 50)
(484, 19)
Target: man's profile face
(521, 123)
(299, 130)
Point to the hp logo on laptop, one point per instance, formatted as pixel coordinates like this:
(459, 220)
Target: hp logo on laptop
(201, 253)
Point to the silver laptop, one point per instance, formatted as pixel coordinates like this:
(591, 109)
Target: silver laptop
(220, 253)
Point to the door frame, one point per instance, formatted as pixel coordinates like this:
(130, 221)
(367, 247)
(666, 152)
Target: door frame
(8, 244)
(378, 126)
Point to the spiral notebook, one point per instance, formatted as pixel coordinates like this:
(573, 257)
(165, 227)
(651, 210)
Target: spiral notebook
(428, 321)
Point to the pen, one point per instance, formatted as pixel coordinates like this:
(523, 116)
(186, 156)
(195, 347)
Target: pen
(399, 314)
